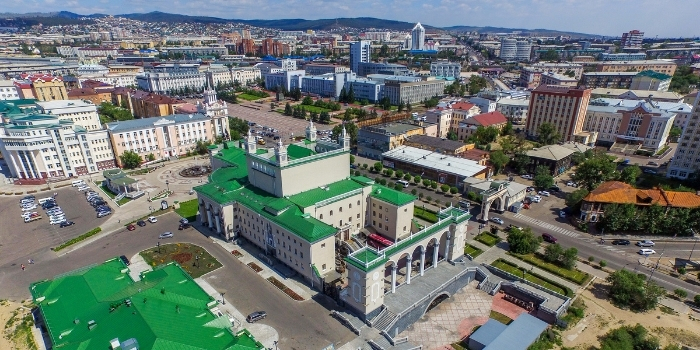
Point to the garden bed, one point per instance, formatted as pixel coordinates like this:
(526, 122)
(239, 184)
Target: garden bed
(425, 214)
(574, 275)
(236, 253)
(472, 250)
(515, 270)
(184, 254)
(254, 266)
(247, 97)
(487, 238)
(275, 282)
(500, 317)
(80, 238)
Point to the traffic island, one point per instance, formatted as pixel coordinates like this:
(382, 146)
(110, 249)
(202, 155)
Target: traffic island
(195, 260)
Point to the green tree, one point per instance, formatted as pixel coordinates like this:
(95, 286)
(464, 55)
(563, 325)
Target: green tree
(351, 94)
(553, 252)
(547, 134)
(523, 241)
(484, 135)
(151, 157)
(696, 299)
(433, 185)
(630, 173)
(629, 289)
(507, 129)
(401, 106)
(629, 338)
(417, 179)
(569, 257)
(476, 83)
(451, 135)
(350, 128)
(130, 159)
(408, 177)
(202, 147)
(594, 171)
(520, 162)
(389, 172)
(675, 133)
(378, 166)
(307, 101)
(426, 183)
(680, 293)
(324, 117)
(444, 188)
(237, 128)
(399, 174)
(543, 177)
(573, 199)
(499, 160)
(352, 159)
(453, 190)
(288, 109)
(550, 55)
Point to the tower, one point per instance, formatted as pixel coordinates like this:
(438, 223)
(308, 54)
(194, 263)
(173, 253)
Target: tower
(311, 132)
(344, 139)
(418, 37)
(360, 51)
(281, 153)
(251, 143)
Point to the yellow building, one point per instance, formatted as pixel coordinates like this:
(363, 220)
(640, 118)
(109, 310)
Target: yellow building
(46, 87)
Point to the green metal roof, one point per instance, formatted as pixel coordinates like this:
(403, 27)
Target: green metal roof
(363, 180)
(367, 258)
(654, 75)
(391, 196)
(298, 152)
(87, 308)
(334, 190)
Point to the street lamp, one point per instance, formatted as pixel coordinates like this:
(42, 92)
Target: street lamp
(696, 242)
(196, 260)
(222, 292)
(167, 183)
(158, 245)
(275, 342)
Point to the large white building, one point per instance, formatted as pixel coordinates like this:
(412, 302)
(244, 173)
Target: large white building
(685, 161)
(365, 88)
(82, 112)
(326, 85)
(418, 37)
(445, 69)
(290, 80)
(8, 90)
(514, 50)
(166, 82)
(514, 109)
(360, 51)
(40, 146)
(225, 75)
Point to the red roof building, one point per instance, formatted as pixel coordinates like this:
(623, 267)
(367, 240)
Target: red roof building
(494, 119)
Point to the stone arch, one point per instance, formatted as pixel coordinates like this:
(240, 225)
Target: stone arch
(429, 251)
(436, 301)
(388, 267)
(402, 268)
(444, 238)
(494, 197)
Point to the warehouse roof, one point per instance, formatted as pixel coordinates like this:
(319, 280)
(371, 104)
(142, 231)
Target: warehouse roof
(434, 160)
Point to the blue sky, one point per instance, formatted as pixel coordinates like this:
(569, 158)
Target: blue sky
(663, 18)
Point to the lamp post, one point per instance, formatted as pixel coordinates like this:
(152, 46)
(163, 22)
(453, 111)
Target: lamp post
(196, 260)
(275, 342)
(696, 242)
(222, 292)
(158, 245)
(167, 184)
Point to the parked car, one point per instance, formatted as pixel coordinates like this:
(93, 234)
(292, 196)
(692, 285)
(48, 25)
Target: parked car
(183, 226)
(570, 183)
(184, 221)
(526, 177)
(536, 199)
(555, 188)
(256, 316)
(543, 193)
(549, 238)
(125, 260)
(141, 223)
(621, 242)
(645, 243)
(103, 213)
(56, 221)
(166, 235)
(66, 224)
(497, 220)
(653, 163)
(649, 171)
(29, 207)
(646, 251)
(131, 227)
(152, 219)
(530, 189)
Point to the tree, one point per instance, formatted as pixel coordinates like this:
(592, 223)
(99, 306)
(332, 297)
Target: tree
(553, 252)
(476, 83)
(307, 101)
(594, 171)
(433, 185)
(573, 199)
(696, 299)
(523, 241)
(378, 166)
(569, 257)
(680, 293)
(426, 183)
(543, 178)
(629, 174)
(351, 95)
(629, 338)
(484, 135)
(399, 174)
(444, 188)
(343, 97)
(550, 55)
(389, 172)
(364, 166)
(570, 73)
(520, 162)
(202, 147)
(547, 134)
(151, 157)
(325, 117)
(451, 135)
(499, 160)
(401, 106)
(288, 109)
(507, 129)
(352, 159)
(237, 128)
(417, 179)
(408, 177)
(629, 289)
(453, 190)
(675, 133)
(350, 128)
(130, 159)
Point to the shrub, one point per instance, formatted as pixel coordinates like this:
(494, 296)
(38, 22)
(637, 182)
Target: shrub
(414, 191)
(682, 270)
(429, 198)
(591, 259)
(697, 300)
(80, 238)
(603, 263)
(680, 293)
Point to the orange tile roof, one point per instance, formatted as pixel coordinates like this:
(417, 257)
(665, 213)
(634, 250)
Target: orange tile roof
(463, 106)
(622, 193)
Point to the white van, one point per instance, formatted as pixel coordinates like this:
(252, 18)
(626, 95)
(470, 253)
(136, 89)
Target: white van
(83, 188)
(403, 182)
(78, 183)
(44, 200)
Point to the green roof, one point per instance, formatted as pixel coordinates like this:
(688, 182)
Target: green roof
(391, 196)
(166, 310)
(363, 180)
(367, 258)
(654, 75)
(230, 184)
(337, 190)
(297, 152)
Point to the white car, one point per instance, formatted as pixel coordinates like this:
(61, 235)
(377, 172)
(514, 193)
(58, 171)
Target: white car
(83, 188)
(646, 251)
(536, 199)
(29, 207)
(646, 243)
(152, 219)
(497, 220)
(57, 221)
(543, 193)
(526, 177)
(570, 183)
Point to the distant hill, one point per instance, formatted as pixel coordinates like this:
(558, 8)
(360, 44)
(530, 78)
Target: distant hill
(66, 17)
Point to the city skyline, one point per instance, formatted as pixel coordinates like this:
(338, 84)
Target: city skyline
(612, 17)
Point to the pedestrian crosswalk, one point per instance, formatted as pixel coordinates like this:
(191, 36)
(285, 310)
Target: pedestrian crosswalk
(553, 228)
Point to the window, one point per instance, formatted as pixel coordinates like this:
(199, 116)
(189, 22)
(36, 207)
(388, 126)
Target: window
(323, 267)
(323, 245)
(331, 213)
(320, 217)
(340, 209)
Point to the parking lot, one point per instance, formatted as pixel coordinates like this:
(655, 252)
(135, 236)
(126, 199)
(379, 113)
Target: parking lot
(286, 126)
(20, 241)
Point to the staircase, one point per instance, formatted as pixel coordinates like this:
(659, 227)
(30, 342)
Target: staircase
(382, 343)
(384, 320)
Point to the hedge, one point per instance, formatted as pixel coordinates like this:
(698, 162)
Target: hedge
(425, 214)
(543, 281)
(488, 238)
(80, 238)
(574, 275)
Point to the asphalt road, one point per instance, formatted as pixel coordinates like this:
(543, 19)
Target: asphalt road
(301, 325)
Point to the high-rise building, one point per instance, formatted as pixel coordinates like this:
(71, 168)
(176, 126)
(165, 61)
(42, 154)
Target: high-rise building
(360, 51)
(512, 49)
(418, 37)
(632, 40)
(563, 107)
(685, 162)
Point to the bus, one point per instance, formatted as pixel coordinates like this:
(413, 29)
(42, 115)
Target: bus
(377, 241)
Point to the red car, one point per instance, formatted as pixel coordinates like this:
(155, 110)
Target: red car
(549, 238)
(131, 227)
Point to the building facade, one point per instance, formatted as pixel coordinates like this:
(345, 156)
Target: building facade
(318, 69)
(326, 85)
(169, 82)
(414, 92)
(632, 40)
(360, 51)
(514, 109)
(418, 37)
(563, 107)
(289, 80)
(651, 81)
(445, 69)
(659, 66)
(8, 91)
(365, 88)
(47, 87)
(468, 127)
(558, 80)
(367, 68)
(686, 162)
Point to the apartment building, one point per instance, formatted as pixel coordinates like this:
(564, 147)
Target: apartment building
(38, 146)
(514, 109)
(219, 74)
(89, 94)
(659, 66)
(563, 107)
(418, 37)
(143, 104)
(82, 112)
(632, 40)
(360, 52)
(640, 123)
(651, 81)
(367, 68)
(467, 127)
(514, 50)
(686, 160)
(558, 80)
(164, 137)
(326, 85)
(319, 69)
(197, 50)
(374, 140)
(447, 117)
(414, 92)
(622, 56)
(8, 90)
(531, 76)
(611, 80)
(46, 87)
(445, 69)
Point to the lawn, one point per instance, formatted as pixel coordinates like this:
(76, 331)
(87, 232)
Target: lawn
(472, 250)
(516, 271)
(184, 254)
(427, 215)
(188, 210)
(309, 108)
(111, 194)
(500, 317)
(487, 238)
(577, 276)
(249, 97)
